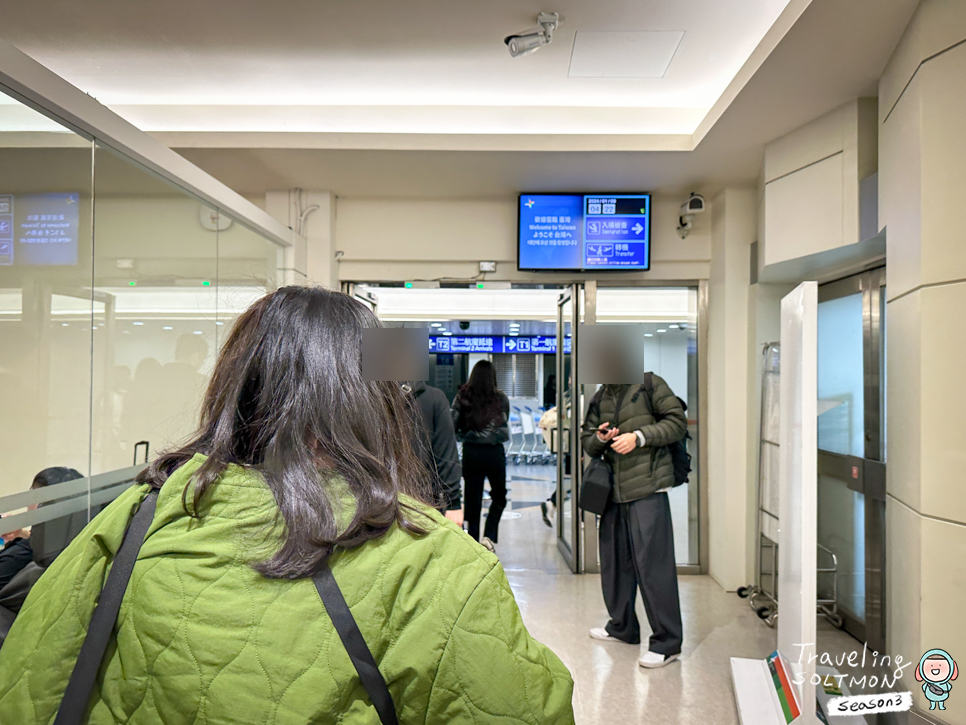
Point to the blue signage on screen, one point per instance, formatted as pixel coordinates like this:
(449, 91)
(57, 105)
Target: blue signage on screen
(545, 344)
(584, 232)
(39, 229)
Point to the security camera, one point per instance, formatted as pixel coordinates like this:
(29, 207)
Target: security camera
(526, 43)
(694, 205)
(464, 325)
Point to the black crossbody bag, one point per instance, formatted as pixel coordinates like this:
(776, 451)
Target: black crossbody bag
(77, 696)
(597, 481)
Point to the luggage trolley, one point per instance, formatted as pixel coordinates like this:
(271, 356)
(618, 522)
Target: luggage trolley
(763, 594)
(515, 425)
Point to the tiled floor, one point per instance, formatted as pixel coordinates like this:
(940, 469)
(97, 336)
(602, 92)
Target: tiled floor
(559, 608)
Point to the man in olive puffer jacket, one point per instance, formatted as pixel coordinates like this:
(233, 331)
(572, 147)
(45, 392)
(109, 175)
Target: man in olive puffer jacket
(636, 539)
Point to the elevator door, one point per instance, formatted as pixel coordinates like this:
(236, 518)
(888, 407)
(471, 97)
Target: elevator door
(851, 460)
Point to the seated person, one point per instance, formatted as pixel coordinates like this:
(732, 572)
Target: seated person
(300, 468)
(17, 551)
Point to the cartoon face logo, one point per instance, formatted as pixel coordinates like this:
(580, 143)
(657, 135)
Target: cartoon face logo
(936, 671)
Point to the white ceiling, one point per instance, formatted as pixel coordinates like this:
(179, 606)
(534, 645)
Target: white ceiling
(401, 99)
(385, 66)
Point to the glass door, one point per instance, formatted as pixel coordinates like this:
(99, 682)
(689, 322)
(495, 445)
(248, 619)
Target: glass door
(851, 465)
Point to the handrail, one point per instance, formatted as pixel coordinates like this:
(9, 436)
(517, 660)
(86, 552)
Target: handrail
(68, 488)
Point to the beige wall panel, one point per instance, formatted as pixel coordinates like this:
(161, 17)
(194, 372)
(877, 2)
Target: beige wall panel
(936, 26)
(943, 594)
(943, 400)
(813, 142)
(804, 212)
(904, 406)
(943, 89)
(387, 239)
(904, 582)
(900, 192)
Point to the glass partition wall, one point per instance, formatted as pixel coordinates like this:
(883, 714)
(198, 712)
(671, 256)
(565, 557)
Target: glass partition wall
(116, 291)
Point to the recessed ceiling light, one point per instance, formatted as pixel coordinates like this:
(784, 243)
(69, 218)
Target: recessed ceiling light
(514, 334)
(674, 327)
(447, 333)
(648, 334)
(437, 324)
(167, 327)
(138, 323)
(64, 324)
(662, 330)
(514, 324)
(199, 332)
(219, 322)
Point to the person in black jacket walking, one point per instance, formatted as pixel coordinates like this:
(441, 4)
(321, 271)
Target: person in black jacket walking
(440, 451)
(481, 414)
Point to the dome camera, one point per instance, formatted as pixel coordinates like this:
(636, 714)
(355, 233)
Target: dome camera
(464, 325)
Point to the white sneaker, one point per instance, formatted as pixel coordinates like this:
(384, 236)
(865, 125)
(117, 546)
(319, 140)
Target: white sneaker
(652, 660)
(488, 544)
(601, 634)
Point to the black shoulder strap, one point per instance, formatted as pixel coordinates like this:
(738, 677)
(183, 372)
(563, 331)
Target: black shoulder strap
(647, 387)
(355, 645)
(620, 403)
(77, 696)
(595, 401)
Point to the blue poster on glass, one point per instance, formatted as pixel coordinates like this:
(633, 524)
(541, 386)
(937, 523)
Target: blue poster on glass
(39, 229)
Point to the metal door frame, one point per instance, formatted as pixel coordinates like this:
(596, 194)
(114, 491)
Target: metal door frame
(867, 475)
(570, 552)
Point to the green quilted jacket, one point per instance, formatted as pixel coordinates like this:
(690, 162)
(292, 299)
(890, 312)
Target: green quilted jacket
(203, 638)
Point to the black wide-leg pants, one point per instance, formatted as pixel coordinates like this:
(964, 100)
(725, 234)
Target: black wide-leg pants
(637, 549)
(482, 461)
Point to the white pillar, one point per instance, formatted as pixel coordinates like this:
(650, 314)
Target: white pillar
(798, 487)
(311, 214)
(731, 486)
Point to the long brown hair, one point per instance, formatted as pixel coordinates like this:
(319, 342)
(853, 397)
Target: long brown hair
(287, 400)
(481, 401)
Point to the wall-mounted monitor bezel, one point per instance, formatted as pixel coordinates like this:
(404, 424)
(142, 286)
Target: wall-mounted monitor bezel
(584, 269)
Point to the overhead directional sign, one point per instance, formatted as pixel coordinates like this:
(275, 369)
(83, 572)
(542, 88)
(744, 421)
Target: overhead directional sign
(543, 344)
(586, 231)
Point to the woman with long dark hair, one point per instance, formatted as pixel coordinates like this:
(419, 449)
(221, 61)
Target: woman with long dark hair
(481, 413)
(300, 472)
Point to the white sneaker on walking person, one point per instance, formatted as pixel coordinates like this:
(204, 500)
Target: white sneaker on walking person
(653, 660)
(488, 544)
(601, 634)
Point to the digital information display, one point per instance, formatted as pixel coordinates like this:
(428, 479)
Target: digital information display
(584, 232)
(495, 343)
(38, 229)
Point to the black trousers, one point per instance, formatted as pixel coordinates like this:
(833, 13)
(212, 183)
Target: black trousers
(484, 462)
(553, 496)
(637, 549)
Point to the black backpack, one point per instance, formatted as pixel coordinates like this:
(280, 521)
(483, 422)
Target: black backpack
(680, 458)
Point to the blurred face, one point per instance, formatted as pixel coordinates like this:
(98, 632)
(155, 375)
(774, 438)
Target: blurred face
(936, 669)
